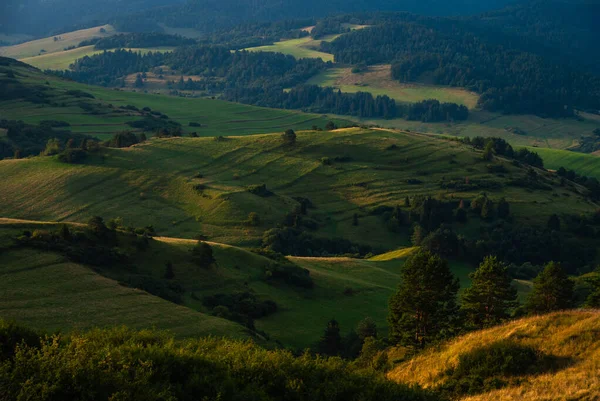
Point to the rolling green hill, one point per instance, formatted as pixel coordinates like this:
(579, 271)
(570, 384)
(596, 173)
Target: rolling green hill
(48, 292)
(105, 118)
(582, 163)
(200, 185)
(83, 297)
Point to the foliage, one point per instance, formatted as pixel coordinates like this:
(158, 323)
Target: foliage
(552, 290)
(491, 296)
(152, 366)
(424, 307)
(202, 255)
(331, 341)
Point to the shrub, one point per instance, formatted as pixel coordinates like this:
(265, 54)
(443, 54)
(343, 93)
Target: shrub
(260, 190)
(151, 366)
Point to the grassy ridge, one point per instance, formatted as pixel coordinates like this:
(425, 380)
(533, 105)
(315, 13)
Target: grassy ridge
(379, 169)
(62, 60)
(49, 45)
(570, 336)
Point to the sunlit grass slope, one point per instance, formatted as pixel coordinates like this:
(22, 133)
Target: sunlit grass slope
(61, 60)
(187, 186)
(378, 81)
(582, 163)
(568, 336)
(50, 45)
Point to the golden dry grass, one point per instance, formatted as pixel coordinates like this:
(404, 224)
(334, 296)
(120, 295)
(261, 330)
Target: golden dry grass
(574, 335)
(393, 255)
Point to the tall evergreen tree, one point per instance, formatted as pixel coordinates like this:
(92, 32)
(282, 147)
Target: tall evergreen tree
(491, 296)
(331, 341)
(424, 307)
(552, 290)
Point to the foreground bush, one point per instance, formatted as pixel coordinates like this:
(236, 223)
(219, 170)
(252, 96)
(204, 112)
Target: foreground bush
(120, 364)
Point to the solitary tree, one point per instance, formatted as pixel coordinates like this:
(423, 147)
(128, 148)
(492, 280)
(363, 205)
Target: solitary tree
(491, 295)
(503, 209)
(488, 151)
(552, 290)
(202, 254)
(331, 341)
(289, 137)
(366, 328)
(330, 126)
(253, 219)
(554, 223)
(355, 219)
(424, 307)
(139, 81)
(169, 272)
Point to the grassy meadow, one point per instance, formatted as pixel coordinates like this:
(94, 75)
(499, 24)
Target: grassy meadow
(582, 163)
(305, 47)
(49, 45)
(162, 174)
(378, 81)
(569, 338)
(63, 59)
(217, 117)
(47, 292)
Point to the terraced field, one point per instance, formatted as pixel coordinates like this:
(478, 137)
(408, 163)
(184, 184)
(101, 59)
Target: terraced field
(45, 291)
(162, 174)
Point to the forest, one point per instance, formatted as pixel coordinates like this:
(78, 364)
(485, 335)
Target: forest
(508, 80)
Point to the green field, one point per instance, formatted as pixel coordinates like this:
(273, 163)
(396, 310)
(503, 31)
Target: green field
(45, 291)
(305, 47)
(378, 81)
(49, 45)
(582, 163)
(160, 175)
(217, 117)
(61, 60)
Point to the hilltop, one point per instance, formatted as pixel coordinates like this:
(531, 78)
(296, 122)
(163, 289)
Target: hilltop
(556, 356)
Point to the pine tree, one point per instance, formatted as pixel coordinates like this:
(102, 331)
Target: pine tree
(169, 272)
(491, 296)
(407, 201)
(554, 223)
(355, 220)
(488, 152)
(503, 209)
(417, 235)
(366, 328)
(202, 255)
(331, 341)
(552, 290)
(424, 307)
(65, 233)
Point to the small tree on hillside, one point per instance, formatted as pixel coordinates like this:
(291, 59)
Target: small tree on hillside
(139, 81)
(491, 296)
(424, 307)
(289, 137)
(355, 219)
(331, 341)
(169, 272)
(366, 328)
(552, 290)
(202, 255)
(554, 223)
(503, 209)
(52, 147)
(330, 126)
(488, 151)
(593, 300)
